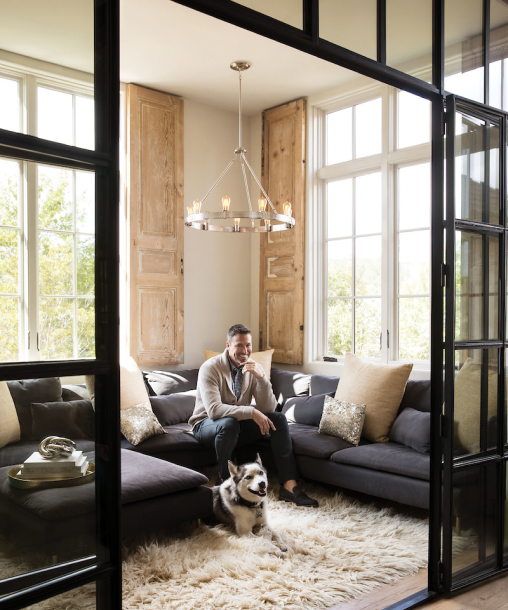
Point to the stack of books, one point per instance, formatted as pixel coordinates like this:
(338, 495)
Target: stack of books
(37, 467)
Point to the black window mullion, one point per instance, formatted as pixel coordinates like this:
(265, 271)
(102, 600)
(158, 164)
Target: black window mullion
(438, 9)
(311, 19)
(486, 48)
(381, 31)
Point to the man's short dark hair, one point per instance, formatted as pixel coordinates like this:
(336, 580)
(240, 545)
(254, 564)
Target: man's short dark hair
(237, 329)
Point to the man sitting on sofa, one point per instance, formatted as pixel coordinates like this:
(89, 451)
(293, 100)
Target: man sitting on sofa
(224, 417)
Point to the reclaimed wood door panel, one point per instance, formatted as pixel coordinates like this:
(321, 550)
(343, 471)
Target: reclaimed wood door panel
(283, 253)
(155, 221)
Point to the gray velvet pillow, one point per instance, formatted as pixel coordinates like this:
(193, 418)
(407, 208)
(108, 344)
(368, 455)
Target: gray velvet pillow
(27, 391)
(287, 384)
(412, 428)
(305, 409)
(174, 408)
(323, 384)
(74, 420)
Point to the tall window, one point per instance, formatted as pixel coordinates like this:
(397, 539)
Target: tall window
(376, 217)
(47, 227)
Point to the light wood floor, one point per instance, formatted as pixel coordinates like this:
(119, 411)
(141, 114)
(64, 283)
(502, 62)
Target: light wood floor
(489, 595)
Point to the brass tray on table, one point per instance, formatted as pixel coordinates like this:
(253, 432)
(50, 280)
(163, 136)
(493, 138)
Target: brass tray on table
(17, 481)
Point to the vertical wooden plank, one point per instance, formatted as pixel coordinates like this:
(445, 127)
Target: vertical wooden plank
(155, 221)
(283, 253)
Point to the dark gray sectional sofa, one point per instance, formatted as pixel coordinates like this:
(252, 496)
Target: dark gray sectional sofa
(397, 470)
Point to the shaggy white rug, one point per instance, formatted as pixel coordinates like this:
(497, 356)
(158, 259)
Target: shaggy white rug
(341, 550)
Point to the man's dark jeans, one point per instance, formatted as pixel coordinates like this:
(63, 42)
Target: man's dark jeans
(227, 433)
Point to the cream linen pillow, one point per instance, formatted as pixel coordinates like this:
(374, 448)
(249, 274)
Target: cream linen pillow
(9, 430)
(380, 386)
(133, 390)
(264, 359)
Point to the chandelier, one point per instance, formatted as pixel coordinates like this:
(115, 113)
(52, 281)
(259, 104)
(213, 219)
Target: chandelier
(240, 221)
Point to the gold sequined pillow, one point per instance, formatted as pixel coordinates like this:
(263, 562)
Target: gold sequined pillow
(139, 423)
(342, 419)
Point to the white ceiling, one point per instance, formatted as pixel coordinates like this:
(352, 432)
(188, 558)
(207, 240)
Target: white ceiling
(172, 48)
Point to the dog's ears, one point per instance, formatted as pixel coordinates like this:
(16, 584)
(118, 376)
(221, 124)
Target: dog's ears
(232, 468)
(258, 460)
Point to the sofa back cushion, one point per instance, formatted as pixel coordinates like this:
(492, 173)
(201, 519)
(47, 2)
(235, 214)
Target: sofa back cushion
(323, 384)
(288, 384)
(27, 391)
(412, 428)
(416, 396)
(74, 420)
(171, 382)
(306, 410)
(173, 408)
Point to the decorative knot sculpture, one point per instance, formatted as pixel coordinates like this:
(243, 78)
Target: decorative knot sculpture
(53, 446)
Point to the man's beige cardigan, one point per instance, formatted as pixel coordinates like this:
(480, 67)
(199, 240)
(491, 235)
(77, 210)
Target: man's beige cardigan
(215, 397)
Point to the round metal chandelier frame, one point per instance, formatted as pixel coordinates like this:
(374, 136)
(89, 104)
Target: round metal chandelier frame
(200, 220)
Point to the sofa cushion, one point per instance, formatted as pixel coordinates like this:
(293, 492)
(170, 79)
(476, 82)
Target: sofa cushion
(171, 382)
(387, 457)
(10, 431)
(416, 395)
(173, 409)
(143, 477)
(342, 419)
(287, 384)
(305, 409)
(412, 428)
(380, 387)
(308, 441)
(177, 438)
(323, 384)
(146, 477)
(27, 391)
(138, 423)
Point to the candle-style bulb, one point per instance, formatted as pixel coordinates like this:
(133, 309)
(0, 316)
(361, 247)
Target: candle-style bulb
(225, 203)
(267, 225)
(190, 210)
(237, 224)
(262, 204)
(197, 206)
(287, 209)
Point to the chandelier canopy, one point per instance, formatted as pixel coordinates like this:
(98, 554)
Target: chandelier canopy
(259, 221)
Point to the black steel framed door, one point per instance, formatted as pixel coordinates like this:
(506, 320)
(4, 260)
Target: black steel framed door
(474, 415)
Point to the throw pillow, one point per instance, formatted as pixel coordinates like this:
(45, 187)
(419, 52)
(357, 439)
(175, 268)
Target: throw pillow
(174, 408)
(74, 420)
(90, 386)
(380, 387)
(10, 431)
(27, 391)
(132, 386)
(412, 428)
(288, 384)
(342, 419)
(304, 409)
(138, 423)
(264, 359)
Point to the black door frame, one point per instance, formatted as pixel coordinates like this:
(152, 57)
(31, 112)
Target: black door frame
(104, 568)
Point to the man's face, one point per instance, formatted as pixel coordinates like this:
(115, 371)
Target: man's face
(239, 349)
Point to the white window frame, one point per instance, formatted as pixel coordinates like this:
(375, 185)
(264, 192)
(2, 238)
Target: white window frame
(318, 175)
(29, 79)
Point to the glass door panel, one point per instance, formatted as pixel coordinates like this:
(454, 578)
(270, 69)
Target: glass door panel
(477, 169)
(473, 496)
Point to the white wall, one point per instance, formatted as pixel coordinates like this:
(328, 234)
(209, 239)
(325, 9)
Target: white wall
(217, 265)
